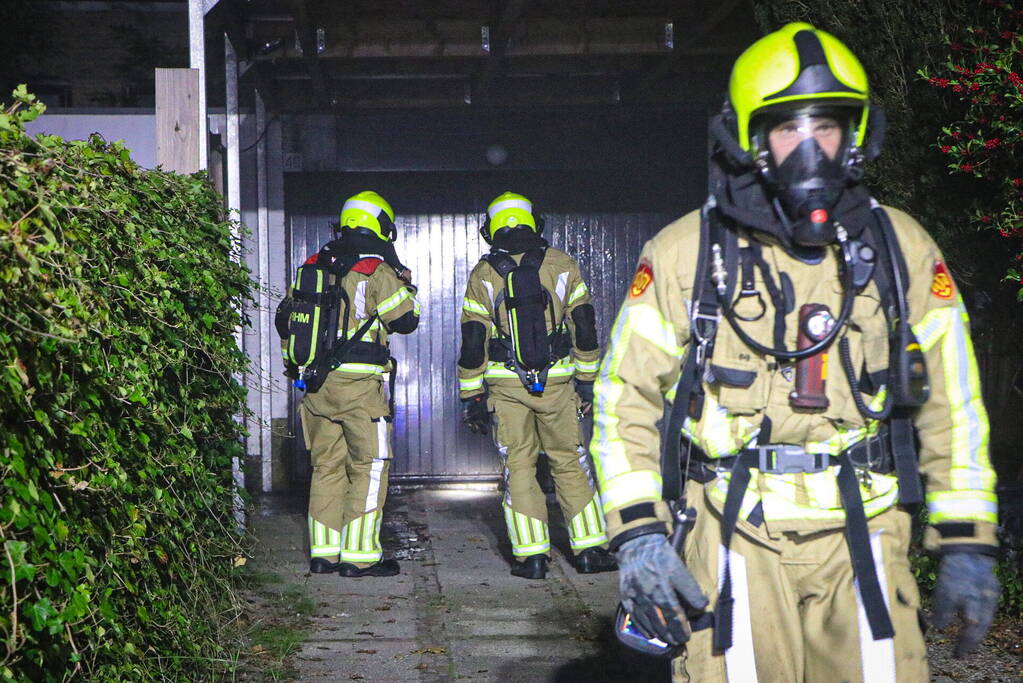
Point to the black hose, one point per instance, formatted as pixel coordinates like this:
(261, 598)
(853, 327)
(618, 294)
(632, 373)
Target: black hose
(854, 385)
(783, 353)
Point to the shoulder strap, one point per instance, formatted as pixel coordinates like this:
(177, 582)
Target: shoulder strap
(501, 262)
(703, 325)
(534, 258)
(339, 261)
(893, 286)
(689, 377)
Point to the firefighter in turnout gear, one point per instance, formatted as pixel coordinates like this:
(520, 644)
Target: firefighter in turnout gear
(528, 328)
(346, 422)
(801, 333)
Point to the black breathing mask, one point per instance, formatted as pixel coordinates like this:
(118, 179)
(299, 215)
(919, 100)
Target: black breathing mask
(808, 185)
(819, 160)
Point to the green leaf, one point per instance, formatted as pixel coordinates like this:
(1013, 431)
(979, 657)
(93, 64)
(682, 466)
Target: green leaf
(43, 615)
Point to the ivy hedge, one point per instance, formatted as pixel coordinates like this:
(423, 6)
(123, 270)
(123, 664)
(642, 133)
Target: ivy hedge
(120, 300)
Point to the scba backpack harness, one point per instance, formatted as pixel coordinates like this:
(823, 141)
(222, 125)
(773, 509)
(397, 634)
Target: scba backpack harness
(526, 347)
(892, 450)
(309, 322)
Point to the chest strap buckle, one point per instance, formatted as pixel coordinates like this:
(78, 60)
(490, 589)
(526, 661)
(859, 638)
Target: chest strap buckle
(786, 459)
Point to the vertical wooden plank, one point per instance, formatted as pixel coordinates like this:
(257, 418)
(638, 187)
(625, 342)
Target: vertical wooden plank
(177, 120)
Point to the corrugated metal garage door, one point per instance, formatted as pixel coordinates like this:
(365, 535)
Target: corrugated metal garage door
(441, 249)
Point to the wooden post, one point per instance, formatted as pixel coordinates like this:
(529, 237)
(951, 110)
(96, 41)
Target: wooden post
(177, 120)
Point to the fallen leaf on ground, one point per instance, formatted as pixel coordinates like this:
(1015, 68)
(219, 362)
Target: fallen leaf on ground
(367, 652)
(431, 651)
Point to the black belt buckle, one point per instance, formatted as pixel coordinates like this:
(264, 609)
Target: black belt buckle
(789, 459)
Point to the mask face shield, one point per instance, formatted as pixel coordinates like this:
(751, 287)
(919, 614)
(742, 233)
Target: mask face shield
(806, 155)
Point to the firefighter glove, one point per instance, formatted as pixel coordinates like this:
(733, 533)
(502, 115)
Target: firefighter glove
(475, 414)
(585, 392)
(966, 583)
(656, 588)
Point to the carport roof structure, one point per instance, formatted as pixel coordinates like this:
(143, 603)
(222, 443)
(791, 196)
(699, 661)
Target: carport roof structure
(342, 55)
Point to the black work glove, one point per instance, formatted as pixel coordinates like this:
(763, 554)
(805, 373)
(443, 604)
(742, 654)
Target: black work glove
(291, 370)
(966, 583)
(585, 393)
(475, 414)
(651, 579)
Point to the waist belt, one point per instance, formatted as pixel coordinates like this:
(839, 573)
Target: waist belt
(369, 353)
(790, 459)
(871, 454)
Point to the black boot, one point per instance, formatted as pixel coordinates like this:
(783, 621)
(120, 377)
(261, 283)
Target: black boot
(381, 568)
(594, 561)
(320, 565)
(532, 567)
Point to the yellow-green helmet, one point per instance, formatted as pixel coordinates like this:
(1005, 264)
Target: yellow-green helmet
(509, 210)
(795, 67)
(370, 211)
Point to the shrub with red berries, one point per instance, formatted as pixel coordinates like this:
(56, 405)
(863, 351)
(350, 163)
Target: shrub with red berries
(984, 73)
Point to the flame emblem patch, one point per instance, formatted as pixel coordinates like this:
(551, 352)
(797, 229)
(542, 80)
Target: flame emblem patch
(644, 276)
(941, 285)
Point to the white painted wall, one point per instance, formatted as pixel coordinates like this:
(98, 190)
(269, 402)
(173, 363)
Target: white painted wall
(137, 130)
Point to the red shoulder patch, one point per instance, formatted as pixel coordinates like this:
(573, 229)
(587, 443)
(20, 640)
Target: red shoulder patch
(644, 276)
(311, 260)
(941, 285)
(367, 266)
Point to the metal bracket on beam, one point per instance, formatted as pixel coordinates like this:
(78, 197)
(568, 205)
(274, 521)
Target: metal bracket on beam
(485, 39)
(669, 35)
(694, 37)
(208, 5)
(309, 40)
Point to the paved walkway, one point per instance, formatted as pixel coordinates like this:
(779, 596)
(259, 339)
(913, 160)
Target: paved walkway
(455, 613)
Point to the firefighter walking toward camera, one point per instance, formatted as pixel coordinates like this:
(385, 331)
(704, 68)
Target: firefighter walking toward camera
(346, 416)
(528, 328)
(802, 334)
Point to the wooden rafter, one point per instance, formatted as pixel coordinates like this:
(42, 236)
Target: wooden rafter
(692, 40)
(500, 34)
(307, 39)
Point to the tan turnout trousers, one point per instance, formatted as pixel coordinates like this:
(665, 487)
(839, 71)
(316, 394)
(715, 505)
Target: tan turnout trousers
(797, 614)
(347, 427)
(526, 425)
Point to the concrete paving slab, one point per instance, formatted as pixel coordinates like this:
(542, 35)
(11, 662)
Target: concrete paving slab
(455, 612)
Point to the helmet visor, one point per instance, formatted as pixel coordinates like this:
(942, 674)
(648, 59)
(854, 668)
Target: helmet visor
(780, 134)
